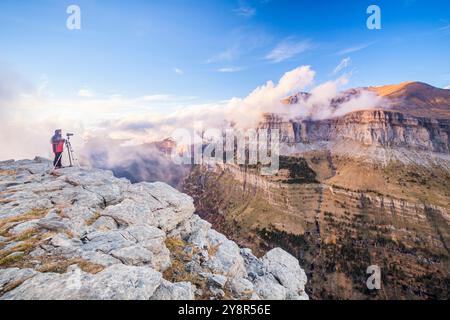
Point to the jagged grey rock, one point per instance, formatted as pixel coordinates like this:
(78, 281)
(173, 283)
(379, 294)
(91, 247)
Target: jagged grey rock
(217, 280)
(99, 258)
(225, 258)
(269, 289)
(241, 288)
(118, 282)
(14, 276)
(286, 269)
(23, 227)
(105, 223)
(253, 265)
(91, 216)
(195, 231)
(105, 241)
(174, 291)
(134, 255)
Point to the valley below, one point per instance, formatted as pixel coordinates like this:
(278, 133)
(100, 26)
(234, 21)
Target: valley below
(336, 226)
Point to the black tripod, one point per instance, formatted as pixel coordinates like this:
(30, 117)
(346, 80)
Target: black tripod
(72, 156)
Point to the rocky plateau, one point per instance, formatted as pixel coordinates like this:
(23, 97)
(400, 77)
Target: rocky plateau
(85, 234)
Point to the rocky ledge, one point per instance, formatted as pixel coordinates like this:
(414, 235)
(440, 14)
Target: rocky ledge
(85, 234)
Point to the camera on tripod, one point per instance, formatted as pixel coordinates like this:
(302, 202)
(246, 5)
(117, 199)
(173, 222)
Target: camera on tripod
(71, 153)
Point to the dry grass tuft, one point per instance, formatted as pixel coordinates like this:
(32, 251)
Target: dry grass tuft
(7, 223)
(29, 241)
(179, 256)
(94, 218)
(89, 267)
(57, 264)
(182, 253)
(11, 259)
(213, 250)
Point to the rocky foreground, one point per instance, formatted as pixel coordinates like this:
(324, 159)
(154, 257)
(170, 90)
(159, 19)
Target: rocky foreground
(84, 234)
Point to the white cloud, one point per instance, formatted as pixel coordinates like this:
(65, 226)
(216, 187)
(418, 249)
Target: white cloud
(12, 87)
(229, 69)
(245, 11)
(85, 93)
(178, 71)
(227, 55)
(148, 118)
(342, 65)
(355, 48)
(447, 87)
(288, 48)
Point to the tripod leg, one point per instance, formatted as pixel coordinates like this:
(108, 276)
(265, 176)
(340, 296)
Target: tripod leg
(70, 159)
(69, 152)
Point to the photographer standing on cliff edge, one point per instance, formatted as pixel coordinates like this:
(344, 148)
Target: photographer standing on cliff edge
(57, 142)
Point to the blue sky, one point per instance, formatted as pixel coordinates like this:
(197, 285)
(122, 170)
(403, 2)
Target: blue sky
(215, 50)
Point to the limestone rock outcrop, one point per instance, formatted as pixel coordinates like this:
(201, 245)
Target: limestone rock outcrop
(85, 234)
(381, 128)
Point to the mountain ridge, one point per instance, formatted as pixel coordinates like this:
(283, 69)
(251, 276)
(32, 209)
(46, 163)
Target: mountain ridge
(417, 99)
(411, 98)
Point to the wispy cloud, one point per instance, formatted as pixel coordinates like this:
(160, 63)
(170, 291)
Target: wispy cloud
(447, 87)
(178, 71)
(287, 49)
(444, 28)
(240, 42)
(227, 55)
(85, 93)
(245, 11)
(342, 65)
(355, 48)
(229, 69)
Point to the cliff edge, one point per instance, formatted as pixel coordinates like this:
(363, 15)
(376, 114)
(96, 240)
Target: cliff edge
(85, 234)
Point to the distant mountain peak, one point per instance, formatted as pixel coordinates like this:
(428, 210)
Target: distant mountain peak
(401, 88)
(416, 98)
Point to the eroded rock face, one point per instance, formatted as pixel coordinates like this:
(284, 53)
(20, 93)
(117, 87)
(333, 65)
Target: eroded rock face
(370, 128)
(84, 234)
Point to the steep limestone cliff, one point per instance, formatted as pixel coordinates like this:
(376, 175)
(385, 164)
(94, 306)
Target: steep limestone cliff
(371, 128)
